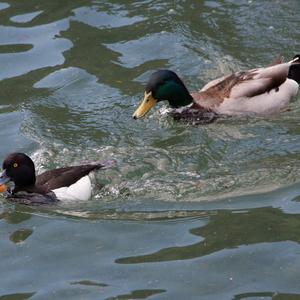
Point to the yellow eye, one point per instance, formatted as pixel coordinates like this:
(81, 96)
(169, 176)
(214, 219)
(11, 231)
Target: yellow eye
(15, 165)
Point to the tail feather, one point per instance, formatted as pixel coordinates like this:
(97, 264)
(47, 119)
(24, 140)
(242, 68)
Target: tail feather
(105, 164)
(296, 59)
(100, 165)
(294, 70)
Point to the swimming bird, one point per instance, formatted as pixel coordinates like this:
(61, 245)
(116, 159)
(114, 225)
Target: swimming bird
(68, 183)
(260, 91)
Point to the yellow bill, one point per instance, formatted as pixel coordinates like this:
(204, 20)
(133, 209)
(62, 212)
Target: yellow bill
(147, 103)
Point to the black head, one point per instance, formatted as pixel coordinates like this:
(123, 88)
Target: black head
(163, 85)
(19, 168)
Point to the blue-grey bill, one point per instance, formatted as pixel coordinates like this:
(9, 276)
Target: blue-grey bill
(4, 178)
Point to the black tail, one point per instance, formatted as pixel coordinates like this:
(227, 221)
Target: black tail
(298, 58)
(294, 71)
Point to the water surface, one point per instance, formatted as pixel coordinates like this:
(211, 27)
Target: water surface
(189, 212)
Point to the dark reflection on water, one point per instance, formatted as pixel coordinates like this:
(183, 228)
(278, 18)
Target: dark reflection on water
(267, 295)
(51, 10)
(89, 283)
(20, 235)
(228, 230)
(71, 73)
(14, 217)
(138, 294)
(15, 48)
(18, 296)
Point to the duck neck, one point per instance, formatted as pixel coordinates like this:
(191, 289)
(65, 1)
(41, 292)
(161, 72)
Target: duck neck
(181, 100)
(24, 182)
(179, 95)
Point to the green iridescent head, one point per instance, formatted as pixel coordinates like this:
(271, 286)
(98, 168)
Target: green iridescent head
(163, 85)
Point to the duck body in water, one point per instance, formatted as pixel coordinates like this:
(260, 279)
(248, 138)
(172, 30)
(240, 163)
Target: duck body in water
(260, 91)
(68, 183)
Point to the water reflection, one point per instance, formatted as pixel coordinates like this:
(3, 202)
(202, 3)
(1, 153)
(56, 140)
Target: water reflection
(98, 59)
(15, 48)
(20, 235)
(17, 296)
(51, 10)
(72, 72)
(228, 230)
(267, 295)
(46, 52)
(15, 217)
(25, 18)
(89, 283)
(10, 126)
(3, 5)
(138, 294)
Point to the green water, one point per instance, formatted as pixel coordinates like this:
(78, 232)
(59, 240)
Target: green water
(208, 212)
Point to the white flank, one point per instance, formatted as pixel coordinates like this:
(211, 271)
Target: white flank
(264, 104)
(81, 190)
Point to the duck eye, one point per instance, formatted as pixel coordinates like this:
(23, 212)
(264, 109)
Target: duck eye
(15, 165)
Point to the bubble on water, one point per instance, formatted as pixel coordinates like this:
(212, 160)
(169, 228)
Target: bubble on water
(171, 11)
(165, 110)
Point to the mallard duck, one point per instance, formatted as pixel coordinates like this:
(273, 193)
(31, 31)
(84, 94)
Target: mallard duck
(68, 183)
(260, 91)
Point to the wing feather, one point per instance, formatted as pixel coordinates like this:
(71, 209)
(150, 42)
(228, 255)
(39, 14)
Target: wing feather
(260, 81)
